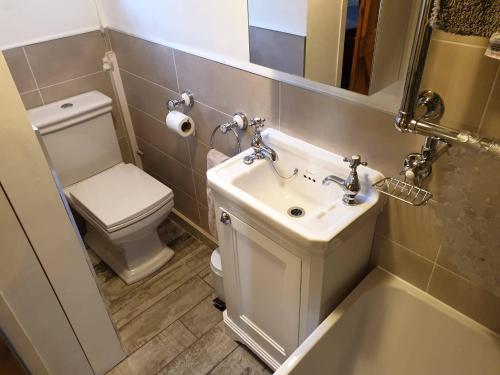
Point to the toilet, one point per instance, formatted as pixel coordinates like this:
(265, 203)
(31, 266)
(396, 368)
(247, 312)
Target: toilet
(121, 205)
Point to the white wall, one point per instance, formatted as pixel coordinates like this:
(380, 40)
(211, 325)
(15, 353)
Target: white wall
(288, 16)
(28, 21)
(217, 27)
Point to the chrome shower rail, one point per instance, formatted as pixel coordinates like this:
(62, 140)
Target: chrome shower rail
(405, 119)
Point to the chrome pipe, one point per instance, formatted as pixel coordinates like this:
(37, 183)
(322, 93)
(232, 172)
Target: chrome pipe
(416, 66)
(405, 119)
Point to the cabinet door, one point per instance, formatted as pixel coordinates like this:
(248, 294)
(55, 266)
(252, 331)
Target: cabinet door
(262, 284)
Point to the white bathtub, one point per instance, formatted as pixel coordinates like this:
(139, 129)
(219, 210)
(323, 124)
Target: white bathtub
(388, 327)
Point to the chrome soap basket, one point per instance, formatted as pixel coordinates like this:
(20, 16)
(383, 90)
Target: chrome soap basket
(403, 191)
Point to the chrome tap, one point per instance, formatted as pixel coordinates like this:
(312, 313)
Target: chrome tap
(350, 185)
(418, 166)
(260, 150)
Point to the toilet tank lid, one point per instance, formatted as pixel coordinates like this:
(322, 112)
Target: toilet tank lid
(70, 108)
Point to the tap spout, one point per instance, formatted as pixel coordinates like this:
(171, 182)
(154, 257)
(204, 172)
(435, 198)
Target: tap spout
(332, 178)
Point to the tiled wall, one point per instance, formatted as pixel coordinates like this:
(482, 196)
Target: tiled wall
(53, 70)
(468, 81)
(411, 242)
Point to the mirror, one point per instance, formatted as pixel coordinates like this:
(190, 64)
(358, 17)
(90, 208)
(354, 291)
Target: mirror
(353, 44)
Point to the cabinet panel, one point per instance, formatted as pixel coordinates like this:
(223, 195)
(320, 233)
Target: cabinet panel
(263, 287)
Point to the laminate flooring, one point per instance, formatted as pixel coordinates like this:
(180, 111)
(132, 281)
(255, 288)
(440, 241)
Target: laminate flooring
(167, 323)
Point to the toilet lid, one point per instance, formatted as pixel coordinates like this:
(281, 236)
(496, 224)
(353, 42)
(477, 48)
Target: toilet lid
(119, 195)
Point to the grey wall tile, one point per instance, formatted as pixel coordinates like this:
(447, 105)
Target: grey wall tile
(277, 50)
(462, 295)
(463, 76)
(228, 89)
(147, 96)
(198, 153)
(66, 58)
(345, 128)
(169, 169)
(200, 182)
(157, 134)
(400, 261)
(20, 70)
(32, 99)
(204, 217)
(414, 228)
(186, 205)
(490, 126)
(146, 59)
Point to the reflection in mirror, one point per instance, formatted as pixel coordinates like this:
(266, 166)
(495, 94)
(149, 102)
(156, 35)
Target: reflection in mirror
(353, 44)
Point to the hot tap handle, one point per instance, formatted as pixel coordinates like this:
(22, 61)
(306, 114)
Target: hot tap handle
(355, 161)
(257, 122)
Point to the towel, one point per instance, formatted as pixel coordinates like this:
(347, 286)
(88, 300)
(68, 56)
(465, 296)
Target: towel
(466, 17)
(214, 158)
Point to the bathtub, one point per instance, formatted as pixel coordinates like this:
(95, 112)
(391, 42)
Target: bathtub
(388, 327)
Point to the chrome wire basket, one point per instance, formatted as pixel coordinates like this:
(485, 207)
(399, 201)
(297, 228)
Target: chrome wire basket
(403, 191)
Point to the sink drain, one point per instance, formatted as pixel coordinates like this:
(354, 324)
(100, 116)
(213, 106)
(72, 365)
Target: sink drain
(296, 211)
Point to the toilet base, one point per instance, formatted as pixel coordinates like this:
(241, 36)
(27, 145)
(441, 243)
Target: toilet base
(132, 260)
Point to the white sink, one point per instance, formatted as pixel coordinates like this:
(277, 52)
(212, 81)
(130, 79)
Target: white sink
(259, 191)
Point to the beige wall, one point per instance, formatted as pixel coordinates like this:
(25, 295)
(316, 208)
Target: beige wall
(30, 314)
(468, 81)
(53, 70)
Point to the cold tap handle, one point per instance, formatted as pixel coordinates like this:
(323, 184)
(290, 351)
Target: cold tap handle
(355, 161)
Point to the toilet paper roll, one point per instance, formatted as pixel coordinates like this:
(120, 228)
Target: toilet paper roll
(180, 123)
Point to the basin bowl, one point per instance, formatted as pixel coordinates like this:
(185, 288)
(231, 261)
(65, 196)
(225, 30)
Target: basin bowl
(298, 204)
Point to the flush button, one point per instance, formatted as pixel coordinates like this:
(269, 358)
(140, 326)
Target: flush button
(66, 105)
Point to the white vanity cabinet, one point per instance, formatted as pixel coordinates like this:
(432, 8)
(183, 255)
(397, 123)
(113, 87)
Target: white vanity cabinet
(291, 248)
(278, 292)
(262, 282)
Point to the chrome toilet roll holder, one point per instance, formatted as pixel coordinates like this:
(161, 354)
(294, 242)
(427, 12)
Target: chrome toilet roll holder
(186, 100)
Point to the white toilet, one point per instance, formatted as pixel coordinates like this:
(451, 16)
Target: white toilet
(122, 205)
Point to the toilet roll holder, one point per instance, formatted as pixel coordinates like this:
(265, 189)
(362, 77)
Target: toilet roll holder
(186, 100)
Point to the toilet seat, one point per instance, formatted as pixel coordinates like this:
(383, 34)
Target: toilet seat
(119, 196)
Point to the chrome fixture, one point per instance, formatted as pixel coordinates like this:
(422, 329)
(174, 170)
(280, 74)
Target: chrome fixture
(225, 218)
(418, 166)
(239, 121)
(403, 191)
(260, 150)
(187, 99)
(406, 121)
(350, 185)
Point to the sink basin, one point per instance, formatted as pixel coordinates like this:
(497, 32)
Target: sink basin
(299, 206)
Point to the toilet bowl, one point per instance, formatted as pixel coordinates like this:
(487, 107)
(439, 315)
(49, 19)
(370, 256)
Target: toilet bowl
(121, 204)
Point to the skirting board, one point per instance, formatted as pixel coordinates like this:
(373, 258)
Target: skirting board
(194, 229)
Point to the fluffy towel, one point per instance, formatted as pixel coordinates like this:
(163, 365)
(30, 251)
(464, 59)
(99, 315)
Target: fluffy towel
(466, 17)
(214, 158)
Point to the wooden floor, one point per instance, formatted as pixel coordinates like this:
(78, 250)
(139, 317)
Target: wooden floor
(167, 323)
